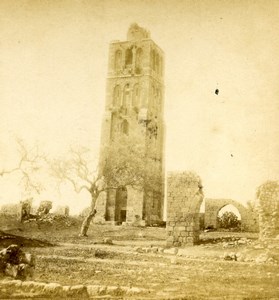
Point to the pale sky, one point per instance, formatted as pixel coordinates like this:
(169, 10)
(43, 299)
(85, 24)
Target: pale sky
(53, 67)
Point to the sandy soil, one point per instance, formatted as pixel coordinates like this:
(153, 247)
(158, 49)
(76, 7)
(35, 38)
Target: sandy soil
(137, 258)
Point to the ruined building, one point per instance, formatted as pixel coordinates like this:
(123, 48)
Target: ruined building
(134, 107)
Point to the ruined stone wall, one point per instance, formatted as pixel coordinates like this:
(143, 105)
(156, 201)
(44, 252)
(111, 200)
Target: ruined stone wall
(184, 198)
(268, 208)
(11, 210)
(17, 211)
(62, 210)
(249, 218)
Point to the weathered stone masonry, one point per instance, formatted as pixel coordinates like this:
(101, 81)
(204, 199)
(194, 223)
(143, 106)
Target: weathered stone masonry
(184, 198)
(134, 107)
(249, 218)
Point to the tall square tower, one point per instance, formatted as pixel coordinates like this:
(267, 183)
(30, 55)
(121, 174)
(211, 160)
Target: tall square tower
(134, 106)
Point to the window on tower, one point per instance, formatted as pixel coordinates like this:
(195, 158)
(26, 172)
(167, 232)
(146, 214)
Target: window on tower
(136, 96)
(128, 57)
(116, 96)
(139, 56)
(126, 96)
(125, 127)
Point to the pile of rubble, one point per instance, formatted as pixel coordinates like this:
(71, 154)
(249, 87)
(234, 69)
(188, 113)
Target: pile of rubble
(266, 257)
(235, 242)
(57, 221)
(15, 263)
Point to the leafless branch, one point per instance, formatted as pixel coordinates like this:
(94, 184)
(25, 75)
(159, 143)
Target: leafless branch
(28, 163)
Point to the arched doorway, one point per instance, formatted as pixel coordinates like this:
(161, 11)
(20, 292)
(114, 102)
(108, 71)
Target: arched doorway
(228, 217)
(121, 204)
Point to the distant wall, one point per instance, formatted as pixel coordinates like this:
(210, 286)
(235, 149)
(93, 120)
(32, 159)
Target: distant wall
(62, 210)
(11, 209)
(184, 198)
(249, 218)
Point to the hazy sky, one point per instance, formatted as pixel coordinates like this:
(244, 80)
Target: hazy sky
(53, 65)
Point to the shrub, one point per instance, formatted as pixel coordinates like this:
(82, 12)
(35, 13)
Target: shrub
(228, 220)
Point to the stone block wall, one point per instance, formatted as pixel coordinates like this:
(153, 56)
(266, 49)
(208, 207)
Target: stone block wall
(249, 218)
(268, 209)
(184, 198)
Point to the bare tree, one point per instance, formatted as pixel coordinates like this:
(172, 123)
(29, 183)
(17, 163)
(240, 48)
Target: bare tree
(29, 163)
(124, 165)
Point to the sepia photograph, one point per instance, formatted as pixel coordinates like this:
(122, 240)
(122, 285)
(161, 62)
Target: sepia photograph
(139, 149)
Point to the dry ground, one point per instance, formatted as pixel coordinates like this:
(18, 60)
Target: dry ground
(136, 259)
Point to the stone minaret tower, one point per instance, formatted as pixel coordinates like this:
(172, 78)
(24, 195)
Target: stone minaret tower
(134, 106)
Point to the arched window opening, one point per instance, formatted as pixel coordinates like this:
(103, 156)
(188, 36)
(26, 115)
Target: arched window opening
(125, 127)
(136, 96)
(129, 57)
(116, 96)
(229, 217)
(139, 56)
(126, 96)
(121, 205)
(118, 60)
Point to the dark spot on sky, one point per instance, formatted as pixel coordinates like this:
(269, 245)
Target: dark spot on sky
(231, 155)
(216, 91)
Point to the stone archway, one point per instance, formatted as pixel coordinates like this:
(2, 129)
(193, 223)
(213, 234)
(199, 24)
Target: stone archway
(249, 219)
(121, 205)
(228, 208)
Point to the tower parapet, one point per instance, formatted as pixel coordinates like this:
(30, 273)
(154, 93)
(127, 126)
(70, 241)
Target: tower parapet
(136, 32)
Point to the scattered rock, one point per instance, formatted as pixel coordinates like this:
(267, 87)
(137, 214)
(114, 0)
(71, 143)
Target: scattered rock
(182, 252)
(230, 256)
(107, 241)
(171, 251)
(53, 289)
(133, 291)
(138, 249)
(258, 247)
(261, 258)
(15, 263)
(78, 291)
(154, 249)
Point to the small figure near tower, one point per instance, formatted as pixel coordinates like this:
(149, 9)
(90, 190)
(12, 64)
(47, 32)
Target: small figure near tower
(134, 107)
